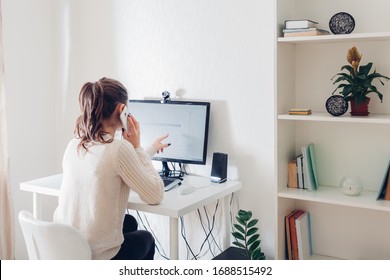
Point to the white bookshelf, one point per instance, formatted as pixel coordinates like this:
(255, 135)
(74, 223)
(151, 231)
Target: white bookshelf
(343, 227)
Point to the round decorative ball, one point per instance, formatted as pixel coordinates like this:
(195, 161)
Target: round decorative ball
(351, 186)
(342, 23)
(336, 105)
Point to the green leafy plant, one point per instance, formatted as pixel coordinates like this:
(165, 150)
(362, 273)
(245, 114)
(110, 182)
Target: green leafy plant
(246, 235)
(356, 83)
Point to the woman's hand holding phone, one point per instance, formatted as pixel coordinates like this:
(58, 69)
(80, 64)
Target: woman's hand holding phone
(123, 117)
(133, 132)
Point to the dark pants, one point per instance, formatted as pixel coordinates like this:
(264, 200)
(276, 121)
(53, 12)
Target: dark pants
(138, 244)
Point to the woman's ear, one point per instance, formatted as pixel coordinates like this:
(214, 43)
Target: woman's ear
(119, 108)
(117, 112)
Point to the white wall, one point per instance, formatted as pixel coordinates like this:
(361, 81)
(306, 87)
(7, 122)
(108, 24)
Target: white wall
(30, 95)
(221, 51)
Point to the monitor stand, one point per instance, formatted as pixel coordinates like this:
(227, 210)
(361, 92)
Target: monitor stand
(165, 171)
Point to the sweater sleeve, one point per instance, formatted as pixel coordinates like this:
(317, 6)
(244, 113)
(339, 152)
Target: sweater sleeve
(150, 151)
(138, 172)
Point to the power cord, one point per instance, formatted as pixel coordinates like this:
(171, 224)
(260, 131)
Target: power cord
(208, 234)
(157, 242)
(174, 171)
(230, 210)
(204, 230)
(185, 238)
(207, 231)
(210, 230)
(212, 235)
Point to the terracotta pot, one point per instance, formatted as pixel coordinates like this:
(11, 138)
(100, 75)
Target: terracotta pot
(360, 109)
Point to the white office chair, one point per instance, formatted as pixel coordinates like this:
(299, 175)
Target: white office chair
(52, 241)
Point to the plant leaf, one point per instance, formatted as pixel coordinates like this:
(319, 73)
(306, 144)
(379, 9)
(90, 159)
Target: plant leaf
(339, 86)
(349, 68)
(253, 238)
(256, 254)
(380, 95)
(377, 75)
(347, 90)
(252, 223)
(365, 69)
(343, 77)
(252, 231)
(238, 235)
(238, 244)
(255, 245)
(241, 221)
(245, 215)
(239, 228)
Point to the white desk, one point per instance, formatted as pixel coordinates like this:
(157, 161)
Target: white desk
(173, 205)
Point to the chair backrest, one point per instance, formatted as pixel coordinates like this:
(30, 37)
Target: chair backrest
(52, 241)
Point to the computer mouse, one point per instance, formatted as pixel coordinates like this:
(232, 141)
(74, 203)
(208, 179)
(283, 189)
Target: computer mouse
(185, 189)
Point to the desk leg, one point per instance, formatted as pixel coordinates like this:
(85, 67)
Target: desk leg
(37, 206)
(173, 238)
(226, 222)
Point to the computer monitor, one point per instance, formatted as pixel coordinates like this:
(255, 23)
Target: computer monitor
(186, 122)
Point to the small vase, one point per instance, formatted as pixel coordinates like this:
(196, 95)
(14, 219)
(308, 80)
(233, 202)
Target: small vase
(360, 109)
(351, 186)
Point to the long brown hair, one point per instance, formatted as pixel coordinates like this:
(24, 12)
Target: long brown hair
(97, 102)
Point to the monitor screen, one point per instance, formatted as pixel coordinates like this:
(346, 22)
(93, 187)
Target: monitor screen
(186, 122)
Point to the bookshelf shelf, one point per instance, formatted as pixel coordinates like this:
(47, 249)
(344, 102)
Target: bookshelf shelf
(358, 37)
(333, 195)
(342, 227)
(322, 257)
(325, 117)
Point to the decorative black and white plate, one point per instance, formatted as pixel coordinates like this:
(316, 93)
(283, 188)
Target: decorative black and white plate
(336, 105)
(342, 23)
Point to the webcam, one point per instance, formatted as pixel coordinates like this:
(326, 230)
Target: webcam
(166, 96)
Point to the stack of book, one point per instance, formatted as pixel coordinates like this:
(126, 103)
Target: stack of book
(302, 171)
(299, 111)
(302, 27)
(298, 235)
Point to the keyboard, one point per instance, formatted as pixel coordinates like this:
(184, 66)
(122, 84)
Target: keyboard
(170, 182)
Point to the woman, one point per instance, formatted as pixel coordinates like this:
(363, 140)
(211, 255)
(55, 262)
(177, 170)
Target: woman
(99, 172)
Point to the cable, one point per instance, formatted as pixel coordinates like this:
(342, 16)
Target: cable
(154, 236)
(183, 168)
(213, 223)
(204, 230)
(208, 232)
(231, 214)
(185, 239)
(212, 235)
(174, 171)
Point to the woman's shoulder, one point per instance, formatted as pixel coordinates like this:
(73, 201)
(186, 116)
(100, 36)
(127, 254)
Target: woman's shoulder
(122, 145)
(115, 146)
(74, 142)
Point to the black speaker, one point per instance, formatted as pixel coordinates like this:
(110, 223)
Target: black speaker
(219, 168)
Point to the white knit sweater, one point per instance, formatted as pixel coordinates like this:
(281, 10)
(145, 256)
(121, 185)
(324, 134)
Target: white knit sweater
(95, 190)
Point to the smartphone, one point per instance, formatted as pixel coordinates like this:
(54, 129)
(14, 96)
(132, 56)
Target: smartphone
(123, 117)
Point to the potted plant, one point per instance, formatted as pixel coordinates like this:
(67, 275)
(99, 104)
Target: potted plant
(357, 82)
(246, 236)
